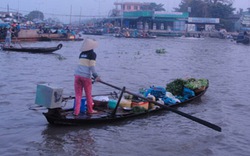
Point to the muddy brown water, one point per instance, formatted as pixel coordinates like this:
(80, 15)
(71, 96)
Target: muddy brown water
(132, 63)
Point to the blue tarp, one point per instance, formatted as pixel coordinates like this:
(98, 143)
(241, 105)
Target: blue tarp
(3, 24)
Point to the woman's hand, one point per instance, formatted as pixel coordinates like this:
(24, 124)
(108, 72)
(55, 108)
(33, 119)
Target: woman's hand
(97, 79)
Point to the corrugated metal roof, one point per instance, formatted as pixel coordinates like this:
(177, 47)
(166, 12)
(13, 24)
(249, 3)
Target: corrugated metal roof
(172, 14)
(138, 14)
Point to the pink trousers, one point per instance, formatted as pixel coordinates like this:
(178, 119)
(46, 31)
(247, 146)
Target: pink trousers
(80, 84)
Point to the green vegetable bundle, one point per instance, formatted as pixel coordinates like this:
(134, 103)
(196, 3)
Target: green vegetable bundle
(196, 84)
(176, 87)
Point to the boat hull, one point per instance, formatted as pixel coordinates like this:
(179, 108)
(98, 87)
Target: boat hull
(59, 116)
(33, 49)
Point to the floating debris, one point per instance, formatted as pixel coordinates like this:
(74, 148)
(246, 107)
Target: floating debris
(161, 51)
(60, 57)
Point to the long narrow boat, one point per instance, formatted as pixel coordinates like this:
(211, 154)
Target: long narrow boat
(136, 37)
(44, 50)
(61, 116)
(243, 38)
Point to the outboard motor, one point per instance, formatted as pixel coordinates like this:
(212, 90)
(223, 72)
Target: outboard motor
(48, 96)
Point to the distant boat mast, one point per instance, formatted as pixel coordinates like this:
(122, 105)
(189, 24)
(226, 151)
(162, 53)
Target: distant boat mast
(8, 9)
(80, 16)
(70, 15)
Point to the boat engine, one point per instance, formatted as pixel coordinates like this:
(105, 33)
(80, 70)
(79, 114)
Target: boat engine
(48, 96)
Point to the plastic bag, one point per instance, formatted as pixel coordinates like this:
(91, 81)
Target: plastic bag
(101, 98)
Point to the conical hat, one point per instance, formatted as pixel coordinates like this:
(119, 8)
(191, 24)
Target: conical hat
(88, 44)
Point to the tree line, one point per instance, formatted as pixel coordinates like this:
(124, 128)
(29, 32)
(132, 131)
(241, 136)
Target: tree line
(222, 9)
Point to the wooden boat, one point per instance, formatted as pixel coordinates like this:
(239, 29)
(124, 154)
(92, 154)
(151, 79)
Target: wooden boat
(143, 37)
(243, 38)
(59, 116)
(138, 36)
(44, 50)
(59, 39)
(67, 39)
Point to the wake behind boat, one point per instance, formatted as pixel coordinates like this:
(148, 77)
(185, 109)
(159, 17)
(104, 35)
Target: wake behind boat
(44, 50)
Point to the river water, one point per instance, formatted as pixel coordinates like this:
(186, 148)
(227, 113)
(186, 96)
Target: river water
(132, 63)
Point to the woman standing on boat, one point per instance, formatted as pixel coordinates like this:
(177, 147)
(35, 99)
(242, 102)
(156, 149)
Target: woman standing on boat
(83, 73)
(8, 37)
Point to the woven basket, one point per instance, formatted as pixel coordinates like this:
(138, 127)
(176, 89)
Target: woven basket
(198, 90)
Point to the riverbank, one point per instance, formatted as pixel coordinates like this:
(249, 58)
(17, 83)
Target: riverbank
(32, 35)
(212, 34)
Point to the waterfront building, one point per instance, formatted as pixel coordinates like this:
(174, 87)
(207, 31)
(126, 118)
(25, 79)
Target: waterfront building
(128, 6)
(243, 24)
(132, 16)
(202, 24)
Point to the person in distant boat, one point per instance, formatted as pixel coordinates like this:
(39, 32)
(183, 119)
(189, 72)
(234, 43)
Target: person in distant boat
(83, 73)
(245, 33)
(8, 38)
(17, 30)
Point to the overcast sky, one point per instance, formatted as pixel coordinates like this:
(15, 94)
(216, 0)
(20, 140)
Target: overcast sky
(63, 8)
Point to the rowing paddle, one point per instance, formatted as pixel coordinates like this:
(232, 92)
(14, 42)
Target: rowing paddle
(203, 122)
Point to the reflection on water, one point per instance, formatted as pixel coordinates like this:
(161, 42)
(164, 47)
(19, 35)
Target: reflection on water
(67, 141)
(135, 64)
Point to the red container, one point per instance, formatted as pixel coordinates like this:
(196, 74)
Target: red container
(100, 104)
(143, 104)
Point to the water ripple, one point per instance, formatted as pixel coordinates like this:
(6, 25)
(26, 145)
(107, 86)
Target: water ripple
(135, 64)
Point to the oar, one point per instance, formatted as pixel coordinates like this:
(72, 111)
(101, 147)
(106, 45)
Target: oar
(203, 122)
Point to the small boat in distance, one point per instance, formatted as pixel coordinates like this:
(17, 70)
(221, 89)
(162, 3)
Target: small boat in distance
(243, 38)
(44, 50)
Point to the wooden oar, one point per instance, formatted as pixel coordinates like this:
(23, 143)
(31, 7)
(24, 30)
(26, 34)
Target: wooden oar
(203, 122)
